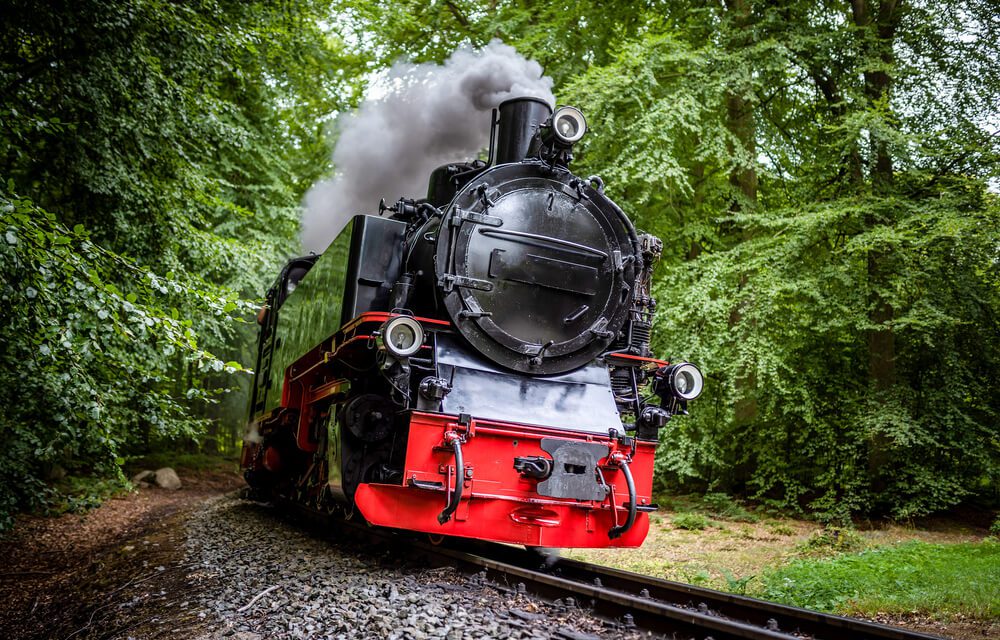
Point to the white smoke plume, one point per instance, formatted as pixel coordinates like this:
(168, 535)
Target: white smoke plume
(431, 115)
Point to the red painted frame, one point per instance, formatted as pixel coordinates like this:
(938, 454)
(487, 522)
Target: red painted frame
(498, 504)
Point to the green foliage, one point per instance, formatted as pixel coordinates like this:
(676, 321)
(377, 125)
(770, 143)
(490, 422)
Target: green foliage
(736, 585)
(995, 527)
(85, 352)
(153, 156)
(691, 521)
(821, 434)
(563, 41)
(699, 577)
(827, 263)
(911, 577)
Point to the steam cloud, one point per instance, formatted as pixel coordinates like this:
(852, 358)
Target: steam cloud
(433, 114)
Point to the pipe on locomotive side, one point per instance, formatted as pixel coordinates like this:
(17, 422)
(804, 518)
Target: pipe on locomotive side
(519, 120)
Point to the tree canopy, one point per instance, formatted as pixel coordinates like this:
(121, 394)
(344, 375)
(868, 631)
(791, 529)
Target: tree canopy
(824, 176)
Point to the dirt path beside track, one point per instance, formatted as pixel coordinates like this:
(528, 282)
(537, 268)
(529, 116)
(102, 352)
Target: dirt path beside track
(117, 570)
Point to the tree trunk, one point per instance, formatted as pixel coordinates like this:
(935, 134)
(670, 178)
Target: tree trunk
(743, 179)
(877, 33)
(877, 29)
(827, 85)
(698, 173)
(740, 115)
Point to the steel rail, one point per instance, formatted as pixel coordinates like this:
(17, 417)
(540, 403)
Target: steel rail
(768, 614)
(759, 613)
(672, 609)
(630, 611)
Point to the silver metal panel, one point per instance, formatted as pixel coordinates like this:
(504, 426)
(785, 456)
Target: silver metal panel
(580, 400)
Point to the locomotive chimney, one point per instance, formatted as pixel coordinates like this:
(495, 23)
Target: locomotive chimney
(520, 118)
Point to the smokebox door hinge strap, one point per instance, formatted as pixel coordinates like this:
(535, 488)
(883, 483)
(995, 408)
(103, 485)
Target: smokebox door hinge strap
(449, 281)
(461, 215)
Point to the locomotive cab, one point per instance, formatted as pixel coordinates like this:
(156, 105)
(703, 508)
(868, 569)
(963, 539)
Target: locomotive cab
(473, 364)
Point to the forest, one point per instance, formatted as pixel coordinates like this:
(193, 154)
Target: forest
(824, 176)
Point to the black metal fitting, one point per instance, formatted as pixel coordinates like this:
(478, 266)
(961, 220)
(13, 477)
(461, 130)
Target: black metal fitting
(650, 421)
(432, 388)
(533, 467)
(536, 360)
(430, 393)
(410, 211)
(402, 291)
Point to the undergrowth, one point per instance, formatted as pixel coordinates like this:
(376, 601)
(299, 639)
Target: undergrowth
(723, 506)
(76, 494)
(832, 539)
(193, 461)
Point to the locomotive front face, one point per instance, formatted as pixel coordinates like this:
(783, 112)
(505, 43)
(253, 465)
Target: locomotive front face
(478, 363)
(535, 268)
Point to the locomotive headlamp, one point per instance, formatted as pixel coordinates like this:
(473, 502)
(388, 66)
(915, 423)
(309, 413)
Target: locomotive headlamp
(568, 124)
(401, 336)
(684, 381)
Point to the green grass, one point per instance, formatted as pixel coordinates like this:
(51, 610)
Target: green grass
(780, 528)
(712, 505)
(911, 577)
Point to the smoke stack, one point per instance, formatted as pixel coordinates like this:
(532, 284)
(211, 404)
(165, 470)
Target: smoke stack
(520, 118)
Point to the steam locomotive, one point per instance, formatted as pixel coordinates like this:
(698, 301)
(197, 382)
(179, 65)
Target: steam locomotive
(475, 363)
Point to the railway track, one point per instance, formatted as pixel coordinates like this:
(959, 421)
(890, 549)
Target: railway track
(665, 608)
(661, 606)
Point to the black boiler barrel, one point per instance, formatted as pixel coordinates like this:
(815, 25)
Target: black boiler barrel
(520, 118)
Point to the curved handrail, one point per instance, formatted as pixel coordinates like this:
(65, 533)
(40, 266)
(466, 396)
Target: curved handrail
(617, 532)
(455, 496)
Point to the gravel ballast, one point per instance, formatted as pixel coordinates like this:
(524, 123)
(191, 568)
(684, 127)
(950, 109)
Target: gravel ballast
(266, 578)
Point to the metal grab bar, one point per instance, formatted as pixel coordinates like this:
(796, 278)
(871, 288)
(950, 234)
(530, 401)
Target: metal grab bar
(617, 532)
(455, 496)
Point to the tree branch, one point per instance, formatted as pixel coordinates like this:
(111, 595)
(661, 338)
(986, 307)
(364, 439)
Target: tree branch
(458, 15)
